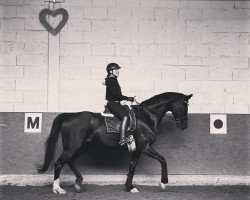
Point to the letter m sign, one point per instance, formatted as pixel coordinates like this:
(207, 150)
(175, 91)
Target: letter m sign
(33, 123)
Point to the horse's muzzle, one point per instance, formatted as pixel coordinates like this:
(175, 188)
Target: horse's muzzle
(182, 124)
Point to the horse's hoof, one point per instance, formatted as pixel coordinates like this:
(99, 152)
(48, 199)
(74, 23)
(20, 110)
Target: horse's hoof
(78, 188)
(59, 191)
(134, 190)
(55, 191)
(163, 185)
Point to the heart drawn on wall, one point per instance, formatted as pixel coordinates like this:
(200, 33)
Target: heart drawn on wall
(45, 23)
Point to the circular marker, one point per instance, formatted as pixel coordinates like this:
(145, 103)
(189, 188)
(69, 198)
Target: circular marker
(218, 123)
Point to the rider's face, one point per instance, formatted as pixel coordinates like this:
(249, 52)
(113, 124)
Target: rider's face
(116, 72)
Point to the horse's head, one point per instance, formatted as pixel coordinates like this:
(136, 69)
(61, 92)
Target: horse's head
(179, 109)
(176, 103)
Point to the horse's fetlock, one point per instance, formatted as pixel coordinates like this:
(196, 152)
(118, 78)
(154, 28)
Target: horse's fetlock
(164, 180)
(129, 186)
(79, 180)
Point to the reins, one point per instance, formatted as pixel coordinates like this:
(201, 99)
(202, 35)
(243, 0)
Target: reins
(172, 118)
(144, 106)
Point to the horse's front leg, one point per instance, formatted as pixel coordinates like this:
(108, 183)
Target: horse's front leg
(129, 186)
(149, 151)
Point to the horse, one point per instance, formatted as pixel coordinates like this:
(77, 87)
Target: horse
(82, 128)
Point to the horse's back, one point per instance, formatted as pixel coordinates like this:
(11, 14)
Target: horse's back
(82, 127)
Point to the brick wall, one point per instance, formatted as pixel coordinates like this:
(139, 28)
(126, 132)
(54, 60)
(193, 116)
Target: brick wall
(200, 47)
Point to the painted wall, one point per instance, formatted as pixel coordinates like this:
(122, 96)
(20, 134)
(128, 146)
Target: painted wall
(199, 47)
(193, 151)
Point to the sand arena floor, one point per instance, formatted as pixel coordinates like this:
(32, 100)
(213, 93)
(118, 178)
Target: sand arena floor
(114, 192)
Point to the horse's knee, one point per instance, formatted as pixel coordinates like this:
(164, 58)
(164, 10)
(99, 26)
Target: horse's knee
(162, 160)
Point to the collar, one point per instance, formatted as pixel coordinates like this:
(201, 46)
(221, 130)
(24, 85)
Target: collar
(112, 76)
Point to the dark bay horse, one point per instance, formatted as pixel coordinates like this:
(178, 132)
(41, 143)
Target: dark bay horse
(78, 129)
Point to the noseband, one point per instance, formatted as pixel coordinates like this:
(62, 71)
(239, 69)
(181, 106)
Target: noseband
(179, 119)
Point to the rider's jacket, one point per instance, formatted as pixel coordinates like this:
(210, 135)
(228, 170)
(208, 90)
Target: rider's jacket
(113, 90)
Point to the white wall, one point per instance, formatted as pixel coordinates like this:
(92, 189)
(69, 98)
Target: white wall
(199, 47)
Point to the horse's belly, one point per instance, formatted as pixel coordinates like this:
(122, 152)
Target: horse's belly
(108, 139)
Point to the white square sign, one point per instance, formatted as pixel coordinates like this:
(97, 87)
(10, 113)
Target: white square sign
(218, 124)
(33, 123)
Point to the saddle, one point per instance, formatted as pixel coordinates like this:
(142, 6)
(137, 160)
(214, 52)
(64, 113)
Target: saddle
(113, 123)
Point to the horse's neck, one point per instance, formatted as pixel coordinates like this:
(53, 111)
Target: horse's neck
(160, 113)
(156, 114)
(157, 110)
(161, 108)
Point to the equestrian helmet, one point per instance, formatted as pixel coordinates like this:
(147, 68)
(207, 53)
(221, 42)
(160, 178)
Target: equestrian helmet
(112, 66)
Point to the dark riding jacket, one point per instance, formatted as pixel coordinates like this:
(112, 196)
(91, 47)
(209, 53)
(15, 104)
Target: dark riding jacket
(113, 90)
(114, 96)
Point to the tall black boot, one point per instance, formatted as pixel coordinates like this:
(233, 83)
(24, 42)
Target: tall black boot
(123, 130)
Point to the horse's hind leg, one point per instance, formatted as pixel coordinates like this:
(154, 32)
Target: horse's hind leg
(77, 173)
(58, 167)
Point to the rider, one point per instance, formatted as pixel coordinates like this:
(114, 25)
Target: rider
(114, 96)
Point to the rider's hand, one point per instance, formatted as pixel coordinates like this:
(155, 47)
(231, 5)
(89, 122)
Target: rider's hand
(131, 99)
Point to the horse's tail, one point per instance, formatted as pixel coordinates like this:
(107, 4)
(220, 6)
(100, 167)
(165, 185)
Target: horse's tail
(50, 144)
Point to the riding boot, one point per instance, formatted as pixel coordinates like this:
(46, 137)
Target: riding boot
(123, 130)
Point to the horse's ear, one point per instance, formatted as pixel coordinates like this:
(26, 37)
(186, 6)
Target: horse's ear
(189, 96)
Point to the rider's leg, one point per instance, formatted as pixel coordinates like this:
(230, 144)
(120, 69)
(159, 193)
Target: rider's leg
(123, 130)
(119, 111)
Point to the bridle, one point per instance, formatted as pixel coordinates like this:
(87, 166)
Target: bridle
(180, 118)
(176, 119)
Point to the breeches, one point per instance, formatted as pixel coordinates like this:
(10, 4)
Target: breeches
(117, 109)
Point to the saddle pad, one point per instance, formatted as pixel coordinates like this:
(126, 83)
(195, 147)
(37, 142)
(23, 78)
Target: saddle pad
(113, 123)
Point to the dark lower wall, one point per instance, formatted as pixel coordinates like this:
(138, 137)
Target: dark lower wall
(193, 151)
